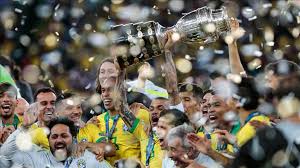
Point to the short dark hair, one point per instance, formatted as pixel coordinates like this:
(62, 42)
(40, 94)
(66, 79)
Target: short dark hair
(4, 87)
(160, 98)
(64, 121)
(247, 93)
(282, 67)
(191, 87)
(178, 119)
(211, 91)
(43, 90)
(137, 97)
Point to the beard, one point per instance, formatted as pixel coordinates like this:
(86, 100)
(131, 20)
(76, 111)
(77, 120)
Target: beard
(60, 154)
(7, 115)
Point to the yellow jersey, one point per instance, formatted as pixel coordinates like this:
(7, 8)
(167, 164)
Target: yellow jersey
(89, 133)
(39, 136)
(217, 144)
(248, 131)
(127, 142)
(155, 156)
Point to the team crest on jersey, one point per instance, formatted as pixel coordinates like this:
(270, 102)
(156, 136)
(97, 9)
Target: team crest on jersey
(81, 163)
(125, 128)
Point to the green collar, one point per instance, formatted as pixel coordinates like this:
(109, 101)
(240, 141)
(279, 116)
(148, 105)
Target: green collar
(107, 116)
(15, 123)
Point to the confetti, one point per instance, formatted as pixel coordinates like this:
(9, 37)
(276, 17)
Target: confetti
(176, 5)
(183, 65)
(175, 37)
(17, 10)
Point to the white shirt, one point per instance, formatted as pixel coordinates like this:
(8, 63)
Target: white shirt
(37, 157)
(150, 89)
(202, 160)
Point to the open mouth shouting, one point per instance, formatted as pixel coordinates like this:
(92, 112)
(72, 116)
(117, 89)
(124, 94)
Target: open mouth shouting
(212, 118)
(154, 119)
(6, 108)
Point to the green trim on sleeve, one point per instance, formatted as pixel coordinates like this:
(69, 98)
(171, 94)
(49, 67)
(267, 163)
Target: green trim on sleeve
(135, 123)
(101, 139)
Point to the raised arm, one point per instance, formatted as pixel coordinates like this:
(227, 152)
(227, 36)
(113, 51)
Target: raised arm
(121, 103)
(234, 57)
(170, 71)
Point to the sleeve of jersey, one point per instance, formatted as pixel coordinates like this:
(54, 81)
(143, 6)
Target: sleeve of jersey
(144, 119)
(141, 125)
(248, 131)
(89, 133)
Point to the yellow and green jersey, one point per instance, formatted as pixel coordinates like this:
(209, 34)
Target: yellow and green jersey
(150, 148)
(216, 143)
(248, 131)
(126, 141)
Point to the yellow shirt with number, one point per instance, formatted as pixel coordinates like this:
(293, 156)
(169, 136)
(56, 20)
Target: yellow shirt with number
(88, 133)
(127, 142)
(156, 152)
(248, 131)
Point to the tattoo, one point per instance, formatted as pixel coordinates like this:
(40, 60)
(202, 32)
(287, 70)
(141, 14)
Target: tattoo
(171, 79)
(127, 116)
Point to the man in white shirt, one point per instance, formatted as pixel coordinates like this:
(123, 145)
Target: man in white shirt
(62, 132)
(183, 153)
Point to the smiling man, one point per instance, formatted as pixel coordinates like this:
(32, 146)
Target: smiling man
(8, 102)
(46, 98)
(61, 143)
(182, 152)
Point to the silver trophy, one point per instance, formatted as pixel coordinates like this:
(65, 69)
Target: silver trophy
(143, 40)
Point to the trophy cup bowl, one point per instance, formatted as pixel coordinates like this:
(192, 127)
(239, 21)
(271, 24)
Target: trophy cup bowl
(142, 41)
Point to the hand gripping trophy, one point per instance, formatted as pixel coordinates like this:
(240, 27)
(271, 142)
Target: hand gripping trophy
(142, 40)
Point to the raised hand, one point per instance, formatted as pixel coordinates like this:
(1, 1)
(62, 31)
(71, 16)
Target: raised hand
(134, 107)
(30, 116)
(93, 120)
(203, 145)
(234, 24)
(79, 149)
(257, 124)
(226, 136)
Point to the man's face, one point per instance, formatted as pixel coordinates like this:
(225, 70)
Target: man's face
(22, 106)
(60, 140)
(177, 153)
(71, 108)
(107, 88)
(163, 128)
(46, 105)
(157, 106)
(217, 108)
(190, 103)
(205, 102)
(8, 102)
(107, 70)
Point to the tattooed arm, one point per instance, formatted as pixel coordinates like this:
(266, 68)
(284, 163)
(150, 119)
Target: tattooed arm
(120, 88)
